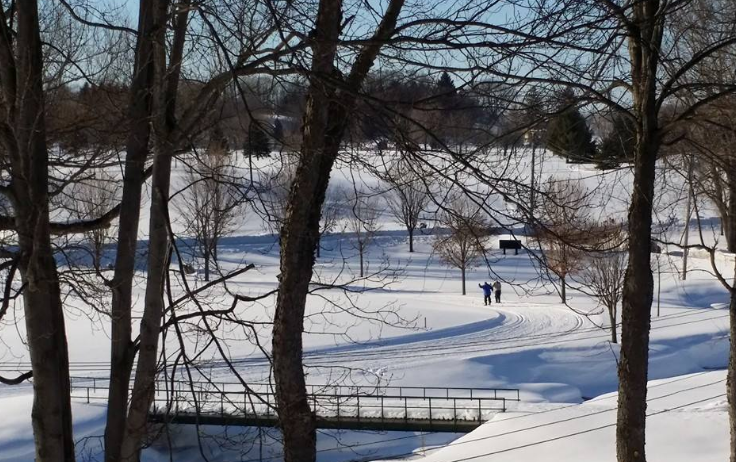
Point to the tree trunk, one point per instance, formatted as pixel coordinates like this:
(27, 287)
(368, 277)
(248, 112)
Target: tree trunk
(121, 353)
(731, 243)
(51, 416)
(635, 312)
(361, 260)
(731, 377)
(644, 41)
(325, 119)
(532, 197)
(299, 238)
(165, 84)
(411, 239)
(207, 267)
(730, 224)
(612, 318)
(462, 276)
(563, 291)
(143, 388)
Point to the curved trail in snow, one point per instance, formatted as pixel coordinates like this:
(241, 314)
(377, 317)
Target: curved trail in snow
(515, 325)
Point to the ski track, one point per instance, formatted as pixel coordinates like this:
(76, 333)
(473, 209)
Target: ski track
(514, 325)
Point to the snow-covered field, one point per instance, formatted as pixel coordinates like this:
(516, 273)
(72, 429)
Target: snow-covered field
(410, 325)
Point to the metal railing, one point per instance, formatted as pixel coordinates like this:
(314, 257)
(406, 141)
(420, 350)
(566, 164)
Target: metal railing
(338, 404)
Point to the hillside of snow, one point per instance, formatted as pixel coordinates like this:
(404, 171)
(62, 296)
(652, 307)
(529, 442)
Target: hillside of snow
(408, 324)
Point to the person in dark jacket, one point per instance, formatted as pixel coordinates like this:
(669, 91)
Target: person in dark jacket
(486, 293)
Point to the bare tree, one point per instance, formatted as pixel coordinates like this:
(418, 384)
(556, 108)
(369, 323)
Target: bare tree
(604, 270)
(407, 197)
(26, 185)
(90, 199)
(464, 243)
(362, 224)
(563, 229)
(210, 205)
(326, 119)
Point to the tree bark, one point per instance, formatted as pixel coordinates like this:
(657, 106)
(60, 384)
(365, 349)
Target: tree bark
(361, 260)
(411, 239)
(563, 292)
(143, 388)
(462, 276)
(731, 243)
(730, 224)
(636, 308)
(137, 147)
(644, 36)
(165, 87)
(612, 318)
(44, 316)
(23, 140)
(325, 119)
(731, 376)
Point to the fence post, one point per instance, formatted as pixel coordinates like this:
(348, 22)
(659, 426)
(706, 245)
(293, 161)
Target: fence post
(381, 409)
(406, 410)
(358, 408)
(430, 412)
(480, 411)
(87, 395)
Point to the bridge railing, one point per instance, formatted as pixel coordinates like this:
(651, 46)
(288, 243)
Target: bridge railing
(336, 402)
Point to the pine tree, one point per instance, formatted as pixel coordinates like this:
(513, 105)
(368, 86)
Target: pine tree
(568, 136)
(257, 145)
(618, 145)
(445, 85)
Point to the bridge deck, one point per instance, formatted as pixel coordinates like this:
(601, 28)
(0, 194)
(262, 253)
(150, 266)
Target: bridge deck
(334, 422)
(336, 407)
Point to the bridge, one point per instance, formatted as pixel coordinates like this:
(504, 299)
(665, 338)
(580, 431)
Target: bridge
(380, 408)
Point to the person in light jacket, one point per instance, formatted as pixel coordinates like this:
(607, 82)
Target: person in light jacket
(497, 291)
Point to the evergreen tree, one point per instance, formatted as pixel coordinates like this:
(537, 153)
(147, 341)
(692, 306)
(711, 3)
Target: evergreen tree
(618, 144)
(257, 145)
(568, 136)
(445, 86)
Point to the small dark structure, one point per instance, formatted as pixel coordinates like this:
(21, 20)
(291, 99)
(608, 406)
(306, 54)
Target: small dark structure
(514, 244)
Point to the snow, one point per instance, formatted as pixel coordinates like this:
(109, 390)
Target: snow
(687, 420)
(413, 327)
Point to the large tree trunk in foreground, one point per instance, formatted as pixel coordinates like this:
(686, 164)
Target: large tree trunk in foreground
(325, 120)
(731, 378)
(144, 386)
(644, 40)
(44, 316)
(731, 243)
(165, 87)
(636, 310)
(122, 353)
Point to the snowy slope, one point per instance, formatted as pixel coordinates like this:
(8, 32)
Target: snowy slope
(687, 421)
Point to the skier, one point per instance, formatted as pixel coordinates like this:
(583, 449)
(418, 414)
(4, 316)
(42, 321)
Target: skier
(497, 290)
(486, 293)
